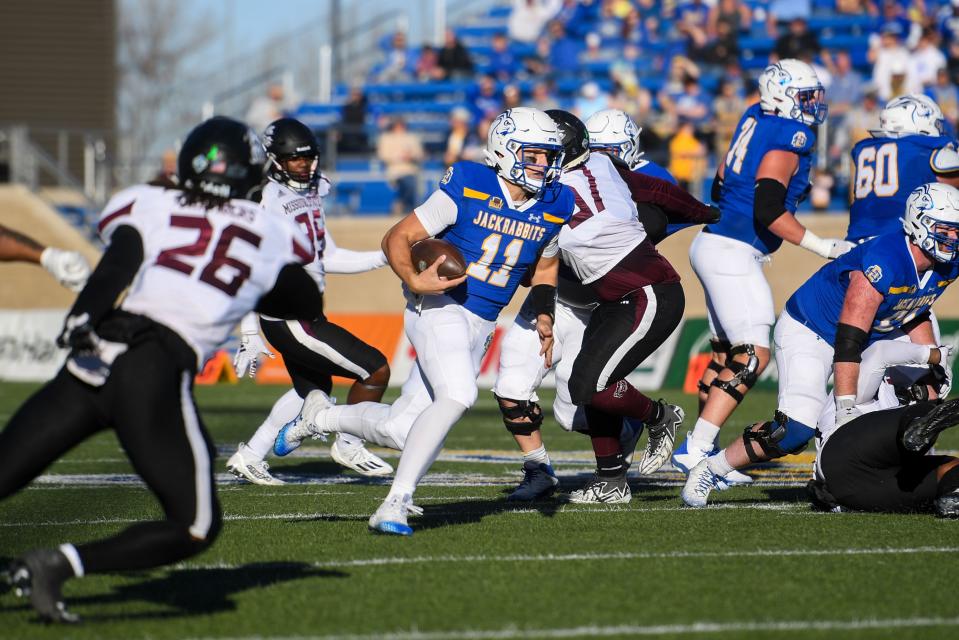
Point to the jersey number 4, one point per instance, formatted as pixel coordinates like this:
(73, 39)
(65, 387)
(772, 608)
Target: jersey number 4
(481, 268)
(877, 171)
(171, 258)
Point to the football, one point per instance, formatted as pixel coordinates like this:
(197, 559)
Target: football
(425, 252)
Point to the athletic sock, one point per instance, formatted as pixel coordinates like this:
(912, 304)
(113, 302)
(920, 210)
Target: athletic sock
(538, 456)
(73, 556)
(611, 466)
(369, 421)
(705, 434)
(424, 443)
(286, 408)
(719, 465)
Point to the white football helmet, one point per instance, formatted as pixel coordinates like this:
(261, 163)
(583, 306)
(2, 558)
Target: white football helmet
(932, 210)
(614, 132)
(791, 89)
(911, 114)
(512, 134)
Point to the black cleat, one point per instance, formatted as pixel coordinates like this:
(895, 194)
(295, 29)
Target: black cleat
(39, 574)
(923, 431)
(947, 506)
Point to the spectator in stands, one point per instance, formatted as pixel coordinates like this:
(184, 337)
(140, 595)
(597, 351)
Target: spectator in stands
(353, 123)
(733, 13)
(502, 63)
(895, 20)
(542, 97)
(609, 23)
(949, 28)
(488, 102)
(167, 174)
(687, 156)
(454, 59)
(460, 135)
(691, 22)
(633, 31)
(946, 95)
(529, 17)
(623, 70)
(265, 109)
(564, 50)
(845, 93)
(428, 65)
(925, 62)
(398, 67)
(512, 97)
(538, 64)
(856, 7)
(694, 106)
(728, 107)
(594, 51)
(590, 100)
(781, 12)
(721, 49)
(402, 152)
(890, 64)
(475, 147)
(820, 191)
(860, 120)
(797, 42)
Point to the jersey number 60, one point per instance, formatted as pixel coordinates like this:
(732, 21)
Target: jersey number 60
(877, 171)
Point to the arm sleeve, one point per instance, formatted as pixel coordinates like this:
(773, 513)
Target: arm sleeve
(678, 205)
(552, 248)
(114, 273)
(294, 296)
(250, 323)
(339, 260)
(438, 212)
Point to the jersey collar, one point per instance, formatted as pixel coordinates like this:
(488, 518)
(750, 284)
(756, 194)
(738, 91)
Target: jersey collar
(508, 199)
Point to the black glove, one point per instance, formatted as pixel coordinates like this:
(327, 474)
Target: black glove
(77, 334)
(716, 215)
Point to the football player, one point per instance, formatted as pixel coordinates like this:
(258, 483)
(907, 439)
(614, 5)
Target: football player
(758, 187)
(612, 131)
(521, 370)
(68, 267)
(194, 260)
(312, 352)
(909, 149)
(880, 290)
(503, 217)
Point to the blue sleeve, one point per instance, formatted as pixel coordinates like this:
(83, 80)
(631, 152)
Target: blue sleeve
(792, 136)
(877, 268)
(452, 181)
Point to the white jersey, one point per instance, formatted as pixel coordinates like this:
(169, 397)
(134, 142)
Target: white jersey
(306, 211)
(202, 269)
(606, 226)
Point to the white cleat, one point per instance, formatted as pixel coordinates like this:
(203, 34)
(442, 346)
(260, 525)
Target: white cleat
(360, 459)
(699, 484)
(662, 435)
(736, 478)
(688, 454)
(246, 467)
(314, 406)
(391, 516)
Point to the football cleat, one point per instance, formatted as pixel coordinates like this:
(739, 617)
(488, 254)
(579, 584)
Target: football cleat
(539, 481)
(359, 459)
(923, 431)
(291, 436)
(391, 516)
(947, 505)
(689, 453)
(699, 484)
(245, 467)
(629, 436)
(600, 490)
(40, 575)
(662, 435)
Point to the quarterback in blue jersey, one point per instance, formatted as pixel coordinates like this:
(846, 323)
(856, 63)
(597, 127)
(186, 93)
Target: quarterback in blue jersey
(504, 217)
(758, 187)
(881, 290)
(908, 150)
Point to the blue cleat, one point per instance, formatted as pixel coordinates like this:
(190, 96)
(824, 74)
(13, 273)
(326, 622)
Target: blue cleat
(539, 481)
(290, 437)
(390, 518)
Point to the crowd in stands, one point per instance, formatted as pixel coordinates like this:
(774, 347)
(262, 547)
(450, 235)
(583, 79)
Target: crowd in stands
(684, 69)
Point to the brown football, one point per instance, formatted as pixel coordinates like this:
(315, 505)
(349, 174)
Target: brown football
(425, 252)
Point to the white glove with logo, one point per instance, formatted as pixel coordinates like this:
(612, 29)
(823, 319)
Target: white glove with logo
(247, 357)
(846, 410)
(68, 267)
(829, 248)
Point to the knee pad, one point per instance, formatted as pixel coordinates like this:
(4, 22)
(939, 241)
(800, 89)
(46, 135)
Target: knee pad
(781, 437)
(720, 346)
(521, 419)
(743, 374)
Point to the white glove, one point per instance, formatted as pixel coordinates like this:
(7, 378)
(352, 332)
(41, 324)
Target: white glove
(247, 357)
(846, 410)
(945, 353)
(829, 248)
(68, 267)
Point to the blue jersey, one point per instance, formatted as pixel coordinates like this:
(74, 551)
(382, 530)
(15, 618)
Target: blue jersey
(499, 244)
(757, 134)
(885, 172)
(887, 263)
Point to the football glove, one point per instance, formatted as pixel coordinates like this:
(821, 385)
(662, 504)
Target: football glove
(829, 248)
(247, 358)
(846, 410)
(68, 267)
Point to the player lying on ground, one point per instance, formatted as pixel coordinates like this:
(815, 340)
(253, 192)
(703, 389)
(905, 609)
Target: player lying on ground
(878, 291)
(195, 260)
(314, 351)
(68, 267)
(504, 218)
(758, 187)
(624, 198)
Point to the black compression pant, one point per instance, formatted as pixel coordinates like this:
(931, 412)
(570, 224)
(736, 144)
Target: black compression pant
(148, 402)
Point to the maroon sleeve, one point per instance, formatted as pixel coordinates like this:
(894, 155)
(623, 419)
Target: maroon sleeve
(675, 202)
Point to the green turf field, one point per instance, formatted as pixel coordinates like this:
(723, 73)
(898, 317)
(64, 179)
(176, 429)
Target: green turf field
(297, 561)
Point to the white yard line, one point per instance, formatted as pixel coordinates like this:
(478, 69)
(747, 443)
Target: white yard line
(695, 628)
